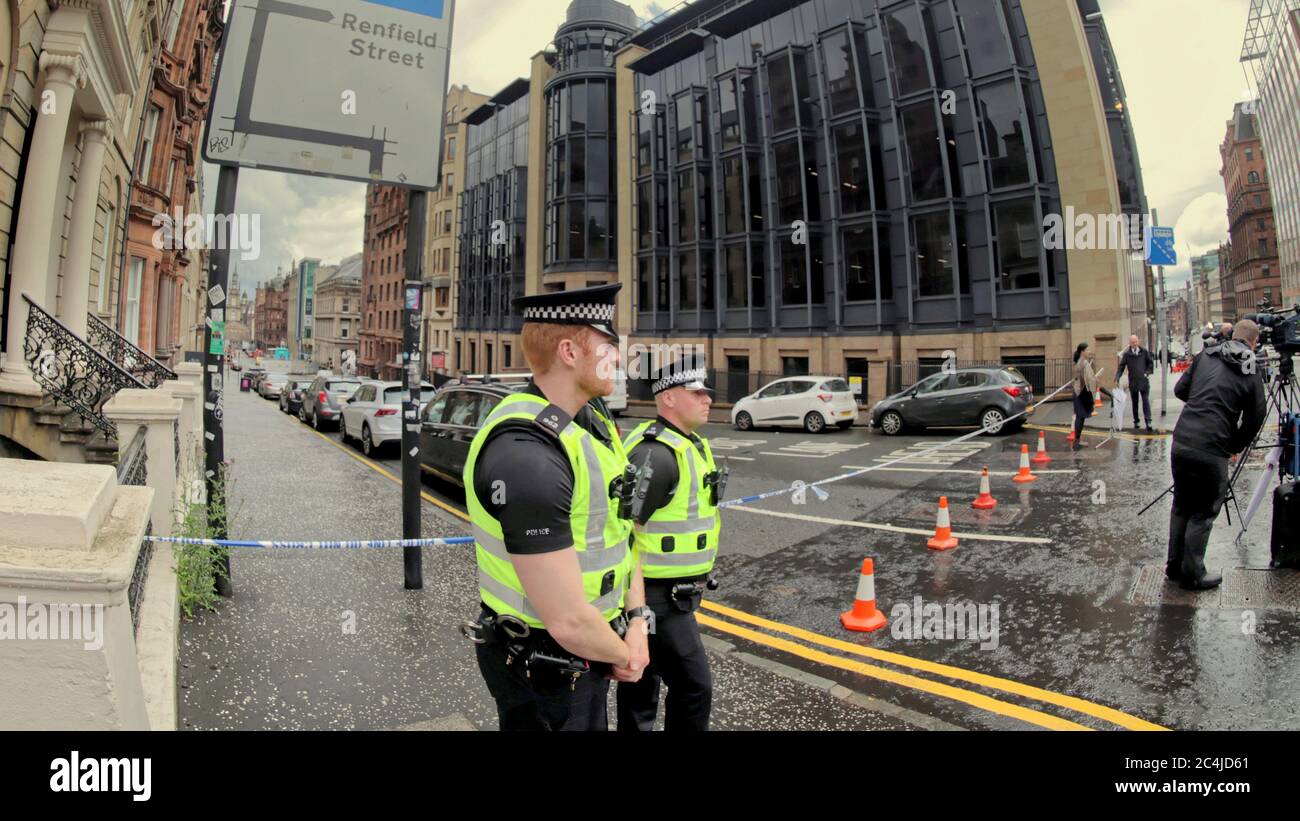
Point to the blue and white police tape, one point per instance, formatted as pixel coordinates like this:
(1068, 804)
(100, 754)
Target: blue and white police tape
(349, 545)
(758, 497)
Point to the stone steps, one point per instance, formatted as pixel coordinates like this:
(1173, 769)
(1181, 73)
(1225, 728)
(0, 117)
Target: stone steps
(76, 431)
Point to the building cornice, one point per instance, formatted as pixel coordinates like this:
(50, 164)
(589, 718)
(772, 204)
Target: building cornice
(97, 30)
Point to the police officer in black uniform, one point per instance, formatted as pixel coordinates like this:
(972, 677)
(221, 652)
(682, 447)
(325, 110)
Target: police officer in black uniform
(677, 527)
(549, 498)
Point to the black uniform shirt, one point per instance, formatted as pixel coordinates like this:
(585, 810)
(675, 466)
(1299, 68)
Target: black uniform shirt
(532, 502)
(663, 484)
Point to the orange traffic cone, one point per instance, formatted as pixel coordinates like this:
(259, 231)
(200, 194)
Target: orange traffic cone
(1098, 406)
(864, 617)
(1074, 420)
(1042, 458)
(1024, 477)
(986, 500)
(943, 539)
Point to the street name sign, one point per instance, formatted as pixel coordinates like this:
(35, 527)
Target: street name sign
(351, 89)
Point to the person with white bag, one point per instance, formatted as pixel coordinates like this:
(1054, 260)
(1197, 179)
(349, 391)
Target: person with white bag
(1137, 364)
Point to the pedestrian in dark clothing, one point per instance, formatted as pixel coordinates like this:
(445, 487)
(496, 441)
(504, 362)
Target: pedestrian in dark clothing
(1136, 361)
(1085, 388)
(1222, 386)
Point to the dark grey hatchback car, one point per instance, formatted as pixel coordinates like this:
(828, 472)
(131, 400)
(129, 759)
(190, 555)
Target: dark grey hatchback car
(982, 397)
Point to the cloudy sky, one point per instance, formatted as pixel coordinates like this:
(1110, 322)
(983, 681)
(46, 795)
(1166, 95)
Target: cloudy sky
(1180, 71)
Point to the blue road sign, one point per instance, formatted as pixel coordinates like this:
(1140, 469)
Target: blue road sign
(429, 8)
(1160, 247)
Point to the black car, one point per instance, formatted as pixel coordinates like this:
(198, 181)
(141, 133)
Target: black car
(985, 397)
(449, 423)
(291, 396)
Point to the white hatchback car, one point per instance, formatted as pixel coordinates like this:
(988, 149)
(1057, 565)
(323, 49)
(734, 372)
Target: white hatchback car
(813, 403)
(373, 416)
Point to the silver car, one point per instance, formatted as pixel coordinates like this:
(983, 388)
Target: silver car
(323, 400)
(271, 385)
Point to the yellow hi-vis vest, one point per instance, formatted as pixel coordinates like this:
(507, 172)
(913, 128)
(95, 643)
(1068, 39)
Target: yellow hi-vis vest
(599, 535)
(681, 538)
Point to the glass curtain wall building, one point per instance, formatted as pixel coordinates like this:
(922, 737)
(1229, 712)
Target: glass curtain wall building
(493, 217)
(1271, 52)
(878, 169)
(828, 184)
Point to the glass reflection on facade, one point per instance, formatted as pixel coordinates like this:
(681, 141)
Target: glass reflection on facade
(879, 164)
(581, 157)
(494, 214)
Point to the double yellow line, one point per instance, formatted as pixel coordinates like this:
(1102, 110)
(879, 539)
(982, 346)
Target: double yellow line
(885, 674)
(974, 699)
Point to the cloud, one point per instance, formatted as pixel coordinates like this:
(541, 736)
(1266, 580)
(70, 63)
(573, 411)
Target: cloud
(1201, 228)
(300, 217)
(1163, 54)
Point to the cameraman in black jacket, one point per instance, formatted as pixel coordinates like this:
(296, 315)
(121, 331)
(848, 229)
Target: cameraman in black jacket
(1225, 408)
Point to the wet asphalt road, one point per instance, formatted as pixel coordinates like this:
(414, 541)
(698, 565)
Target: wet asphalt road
(1079, 612)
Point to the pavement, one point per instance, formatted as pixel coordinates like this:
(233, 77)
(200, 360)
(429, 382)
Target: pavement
(1052, 613)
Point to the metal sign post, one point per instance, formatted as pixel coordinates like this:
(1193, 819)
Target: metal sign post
(1160, 252)
(214, 369)
(412, 377)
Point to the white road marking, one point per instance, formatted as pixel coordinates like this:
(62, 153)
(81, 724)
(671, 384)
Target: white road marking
(738, 459)
(975, 537)
(945, 456)
(727, 443)
(794, 455)
(815, 450)
(955, 470)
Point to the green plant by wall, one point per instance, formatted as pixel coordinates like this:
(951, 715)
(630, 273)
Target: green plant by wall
(198, 567)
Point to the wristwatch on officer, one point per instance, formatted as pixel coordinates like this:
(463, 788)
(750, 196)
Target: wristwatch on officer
(642, 612)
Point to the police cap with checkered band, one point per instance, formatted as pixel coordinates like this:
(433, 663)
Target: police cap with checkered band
(688, 372)
(593, 307)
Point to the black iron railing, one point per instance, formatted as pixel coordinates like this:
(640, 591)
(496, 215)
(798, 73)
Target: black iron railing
(70, 370)
(135, 590)
(126, 355)
(133, 471)
(133, 464)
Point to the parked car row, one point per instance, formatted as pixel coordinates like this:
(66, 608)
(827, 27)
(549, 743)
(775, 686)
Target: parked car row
(366, 411)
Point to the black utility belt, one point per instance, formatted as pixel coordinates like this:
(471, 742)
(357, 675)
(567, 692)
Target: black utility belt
(684, 594)
(533, 647)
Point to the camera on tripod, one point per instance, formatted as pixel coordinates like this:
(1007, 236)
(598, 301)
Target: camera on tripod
(1278, 329)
